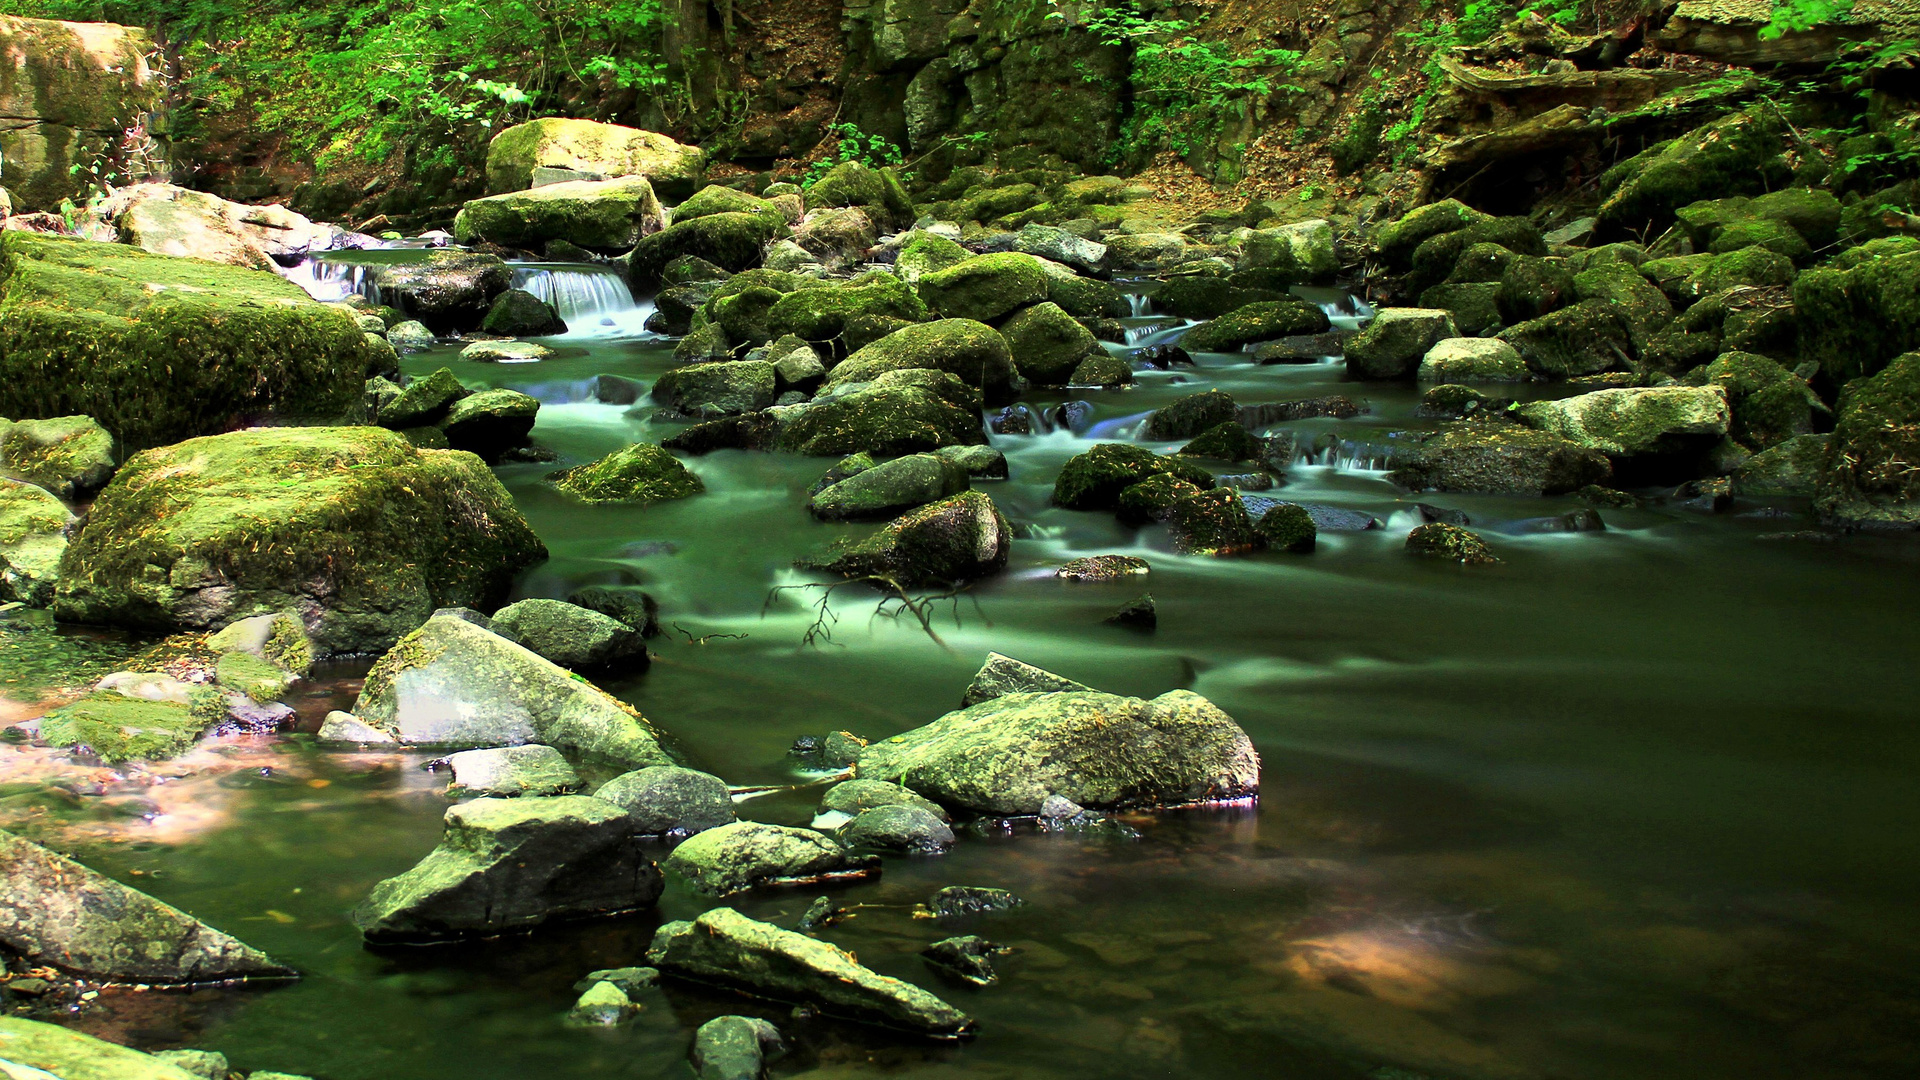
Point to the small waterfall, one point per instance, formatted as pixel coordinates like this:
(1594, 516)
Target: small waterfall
(1138, 335)
(1141, 305)
(331, 280)
(1344, 310)
(594, 300)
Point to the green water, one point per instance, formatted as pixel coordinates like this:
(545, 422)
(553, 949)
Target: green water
(1634, 804)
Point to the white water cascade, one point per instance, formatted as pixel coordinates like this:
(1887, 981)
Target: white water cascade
(593, 300)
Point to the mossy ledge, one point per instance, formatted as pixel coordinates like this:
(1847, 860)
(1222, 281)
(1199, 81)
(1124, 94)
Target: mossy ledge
(159, 349)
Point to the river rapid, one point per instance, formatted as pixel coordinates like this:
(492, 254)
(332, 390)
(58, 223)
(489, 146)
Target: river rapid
(1638, 803)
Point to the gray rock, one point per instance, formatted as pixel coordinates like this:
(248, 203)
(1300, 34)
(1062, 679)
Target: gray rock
(1002, 675)
(848, 798)
(55, 911)
(347, 728)
(725, 947)
(898, 828)
(1393, 344)
(890, 487)
(507, 771)
(509, 864)
(505, 352)
(1472, 359)
(1007, 754)
(735, 1048)
(410, 335)
(572, 636)
(450, 683)
(668, 800)
(1061, 246)
(744, 855)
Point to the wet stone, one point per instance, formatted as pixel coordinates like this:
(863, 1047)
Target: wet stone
(1002, 675)
(735, 1048)
(1136, 615)
(508, 771)
(967, 958)
(630, 980)
(956, 901)
(1451, 543)
(898, 828)
(1574, 521)
(1339, 519)
(1103, 568)
(603, 1005)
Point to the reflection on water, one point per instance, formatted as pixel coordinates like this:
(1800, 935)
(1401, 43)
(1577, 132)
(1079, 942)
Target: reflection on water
(1636, 804)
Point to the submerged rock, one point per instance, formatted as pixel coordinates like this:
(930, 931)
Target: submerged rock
(735, 1048)
(641, 473)
(353, 529)
(55, 911)
(601, 1005)
(451, 683)
(666, 800)
(956, 901)
(967, 958)
(506, 771)
(725, 947)
(1138, 614)
(1007, 754)
(744, 855)
(509, 864)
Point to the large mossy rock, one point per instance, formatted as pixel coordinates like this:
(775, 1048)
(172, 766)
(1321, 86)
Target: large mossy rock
(666, 800)
(453, 684)
(732, 241)
(640, 473)
(605, 150)
(723, 388)
(1793, 468)
(1873, 481)
(69, 92)
(878, 192)
(743, 855)
(1394, 343)
(986, 288)
(570, 635)
(1502, 459)
(1048, 344)
(1852, 322)
(729, 949)
(956, 539)
(159, 349)
(1006, 755)
(354, 529)
(1637, 425)
(1095, 479)
(448, 291)
(33, 537)
(55, 911)
(509, 864)
(117, 728)
(1769, 403)
(890, 487)
(893, 415)
(1256, 322)
(970, 351)
(600, 215)
(823, 314)
(1734, 155)
(1586, 338)
(31, 1050)
(169, 220)
(67, 455)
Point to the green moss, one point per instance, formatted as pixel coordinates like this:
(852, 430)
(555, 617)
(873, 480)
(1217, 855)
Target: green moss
(1734, 155)
(1226, 441)
(158, 349)
(1638, 304)
(925, 254)
(1256, 322)
(1584, 339)
(1150, 499)
(1047, 343)
(1191, 415)
(1874, 476)
(973, 352)
(124, 729)
(1769, 404)
(641, 473)
(261, 680)
(35, 660)
(732, 241)
(714, 199)
(986, 287)
(1773, 235)
(66, 455)
(1452, 543)
(1212, 523)
(957, 538)
(884, 419)
(821, 314)
(1289, 528)
(1852, 322)
(1095, 479)
(1433, 261)
(425, 401)
(354, 521)
(1397, 239)
(1501, 458)
(603, 216)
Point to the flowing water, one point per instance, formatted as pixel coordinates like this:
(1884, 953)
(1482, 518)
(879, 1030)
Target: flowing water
(1638, 803)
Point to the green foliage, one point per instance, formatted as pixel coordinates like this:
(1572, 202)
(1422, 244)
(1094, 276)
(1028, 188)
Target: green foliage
(874, 151)
(1182, 87)
(1793, 15)
(1477, 21)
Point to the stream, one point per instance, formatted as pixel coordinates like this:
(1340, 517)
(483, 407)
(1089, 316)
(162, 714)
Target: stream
(1637, 803)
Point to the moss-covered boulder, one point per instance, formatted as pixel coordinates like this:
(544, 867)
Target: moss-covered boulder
(1434, 260)
(955, 539)
(1396, 240)
(1225, 441)
(732, 241)
(355, 530)
(117, 728)
(1664, 428)
(1472, 359)
(1769, 403)
(1212, 523)
(67, 455)
(640, 473)
(1852, 322)
(890, 487)
(1503, 459)
(1530, 287)
(715, 199)
(1151, 499)
(160, 349)
(971, 351)
(58, 912)
(1047, 343)
(509, 864)
(1439, 540)
(422, 402)
(1872, 481)
(1101, 369)
(1584, 339)
(836, 237)
(744, 855)
(34, 1050)
(453, 684)
(1394, 343)
(876, 191)
(1748, 267)
(1190, 416)
(586, 146)
(1639, 305)
(893, 415)
(570, 635)
(823, 314)
(517, 313)
(33, 537)
(1095, 479)
(1200, 296)
(1008, 754)
(666, 800)
(1256, 322)
(1472, 305)
(1288, 527)
(985, 287)
(603, 215)
(926, 254)
(490, 422)
(726, 388)
(256, 677)
(1739, 154)
(1793, 468)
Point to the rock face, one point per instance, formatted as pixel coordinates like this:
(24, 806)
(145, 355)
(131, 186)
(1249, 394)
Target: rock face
(33, 536)
(31, 1050)
(353, 529)
(599, 215)
(955, 539)
(69, 90)
(55, 911)
(725, 947)
(1006, 755)
(451, 683)
(508, 864)
(743, 855)
(600, 150)
(159, 349)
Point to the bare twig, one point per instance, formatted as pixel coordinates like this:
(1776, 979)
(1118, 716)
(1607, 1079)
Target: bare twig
(895, 602)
